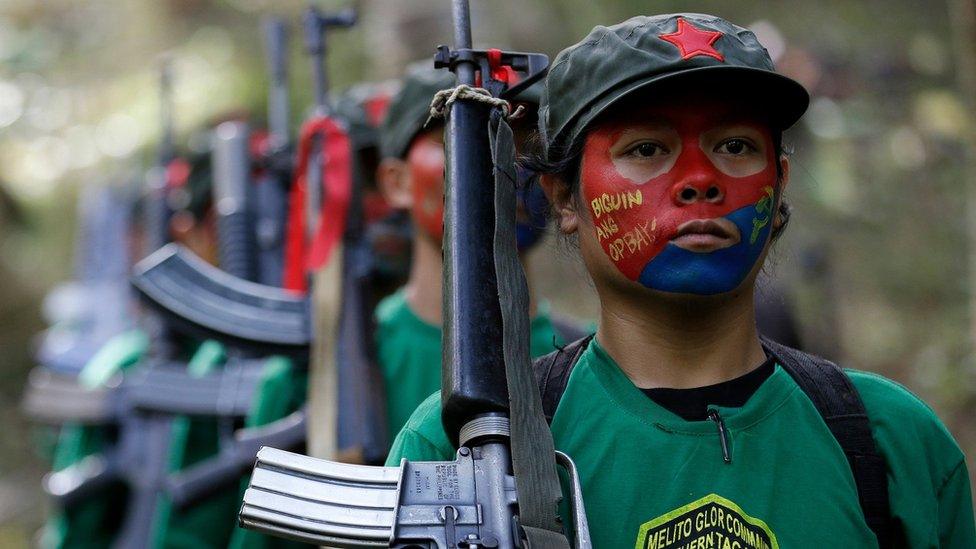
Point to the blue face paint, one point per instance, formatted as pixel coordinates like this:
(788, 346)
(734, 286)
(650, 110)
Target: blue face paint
(678, 270)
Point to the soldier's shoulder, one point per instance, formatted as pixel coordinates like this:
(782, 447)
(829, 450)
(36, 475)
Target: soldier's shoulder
(903, 424)
(423, 437)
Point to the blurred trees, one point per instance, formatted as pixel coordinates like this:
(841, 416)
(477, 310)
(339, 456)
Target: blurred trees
(876, 254)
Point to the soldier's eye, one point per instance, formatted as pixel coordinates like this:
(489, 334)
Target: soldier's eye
(647, 149)
(735, 146)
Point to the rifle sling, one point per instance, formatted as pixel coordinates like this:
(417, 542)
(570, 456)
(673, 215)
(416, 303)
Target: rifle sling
(532, 447)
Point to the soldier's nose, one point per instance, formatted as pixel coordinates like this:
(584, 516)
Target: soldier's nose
(689, 194)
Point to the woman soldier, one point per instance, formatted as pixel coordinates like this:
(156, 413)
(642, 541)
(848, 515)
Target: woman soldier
(663, 153)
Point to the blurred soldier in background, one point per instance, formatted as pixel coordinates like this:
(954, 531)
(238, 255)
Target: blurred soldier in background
(411, 177)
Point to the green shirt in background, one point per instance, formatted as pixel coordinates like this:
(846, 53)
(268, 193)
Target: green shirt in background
(409, 354)
(653, 480)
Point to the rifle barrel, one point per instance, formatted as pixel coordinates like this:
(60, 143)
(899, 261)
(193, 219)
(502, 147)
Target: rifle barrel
(157, 212)
(166, 149)
(461, 12)
(474, 369)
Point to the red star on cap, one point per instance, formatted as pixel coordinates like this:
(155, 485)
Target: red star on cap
(692, 41)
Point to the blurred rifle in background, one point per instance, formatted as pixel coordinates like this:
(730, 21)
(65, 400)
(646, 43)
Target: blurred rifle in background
(147, 404)
(245, 317)
(156, 204)
(275, 168)
(352, 398)
(96, 305)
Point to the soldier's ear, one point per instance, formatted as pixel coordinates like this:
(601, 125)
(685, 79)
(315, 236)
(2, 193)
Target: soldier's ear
(393, 179)
(563, 204)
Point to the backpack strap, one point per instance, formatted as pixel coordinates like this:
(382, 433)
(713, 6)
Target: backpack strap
(552, 373)
(837, 400)
(825, 384)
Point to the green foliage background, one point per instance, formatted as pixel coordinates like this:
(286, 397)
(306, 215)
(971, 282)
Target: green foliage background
(876, 259)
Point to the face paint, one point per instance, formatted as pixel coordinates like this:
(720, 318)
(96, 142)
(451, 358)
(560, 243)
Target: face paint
(425, 160)
(683, 201)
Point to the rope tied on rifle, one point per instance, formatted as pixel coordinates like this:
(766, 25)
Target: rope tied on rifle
(443, 100)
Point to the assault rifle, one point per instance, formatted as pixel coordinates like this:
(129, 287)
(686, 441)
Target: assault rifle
(252, 319)
(501, 490)
(199, 301)
(233, 304)
(145, 403)
(361, 433)
(345, 393)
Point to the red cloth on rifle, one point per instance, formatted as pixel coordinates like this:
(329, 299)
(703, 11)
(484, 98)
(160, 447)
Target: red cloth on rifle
(302, 257)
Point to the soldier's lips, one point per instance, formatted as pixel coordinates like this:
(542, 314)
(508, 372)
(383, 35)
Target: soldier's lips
(706, 235)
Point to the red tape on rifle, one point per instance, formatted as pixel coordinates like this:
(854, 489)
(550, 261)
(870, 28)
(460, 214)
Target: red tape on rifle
(301, 257)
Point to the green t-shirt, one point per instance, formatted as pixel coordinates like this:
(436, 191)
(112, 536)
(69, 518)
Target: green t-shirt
(652, 479)
(409, 354)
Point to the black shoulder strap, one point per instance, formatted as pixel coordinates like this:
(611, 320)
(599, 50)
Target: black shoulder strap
(552, 373)
(837, 400)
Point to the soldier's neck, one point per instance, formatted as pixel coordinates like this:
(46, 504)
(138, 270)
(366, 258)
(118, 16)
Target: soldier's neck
(681, 343)
(423, 288)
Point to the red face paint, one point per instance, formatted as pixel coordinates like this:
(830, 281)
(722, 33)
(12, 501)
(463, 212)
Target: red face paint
(669, 175)
(425, 161)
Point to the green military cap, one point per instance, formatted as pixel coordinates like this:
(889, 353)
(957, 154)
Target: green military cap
(643, 53)
(410, 108)
(363, 107)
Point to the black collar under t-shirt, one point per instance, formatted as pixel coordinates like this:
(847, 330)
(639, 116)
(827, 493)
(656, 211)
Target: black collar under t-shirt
(692, 404)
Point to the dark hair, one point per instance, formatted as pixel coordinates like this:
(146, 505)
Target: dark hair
(564, 164)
